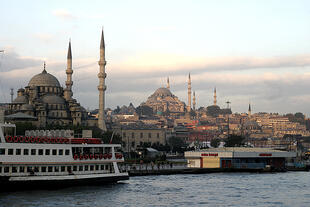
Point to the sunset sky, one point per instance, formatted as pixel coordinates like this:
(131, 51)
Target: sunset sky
(251, 51)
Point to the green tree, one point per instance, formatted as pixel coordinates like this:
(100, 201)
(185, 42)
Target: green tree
(215, 142)
(177, 144)
(106, 137)
(21, 127)
(234, 141)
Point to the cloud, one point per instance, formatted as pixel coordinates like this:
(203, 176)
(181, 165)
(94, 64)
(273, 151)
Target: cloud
(63, 14)
(163, 64)
(11, 61)
(267, 82)
(44, 37)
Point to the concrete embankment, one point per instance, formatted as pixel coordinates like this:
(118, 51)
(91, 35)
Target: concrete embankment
(169, 169)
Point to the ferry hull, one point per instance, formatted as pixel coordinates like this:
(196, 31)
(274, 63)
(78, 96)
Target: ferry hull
(16, 185)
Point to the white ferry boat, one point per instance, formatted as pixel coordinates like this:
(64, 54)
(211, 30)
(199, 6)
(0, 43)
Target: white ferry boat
(31, 162)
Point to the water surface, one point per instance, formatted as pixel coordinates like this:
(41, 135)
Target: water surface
(218, 189)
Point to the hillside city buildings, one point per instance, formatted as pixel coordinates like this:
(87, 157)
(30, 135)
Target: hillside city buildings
(163, 116)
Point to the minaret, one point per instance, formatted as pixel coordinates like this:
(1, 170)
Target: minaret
(12, 94)
(194, 101)
(214, 100)
(168, 84)
(68, 90)
(102, 87)
(249, 110)
(189, 93)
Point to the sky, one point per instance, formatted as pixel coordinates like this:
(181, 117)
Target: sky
(254, 52)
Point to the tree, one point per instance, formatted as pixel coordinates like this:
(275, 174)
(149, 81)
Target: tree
(106, 137)
(297, 117)
(234, 141)
(213, 111)
(215, 142)
(177, 144)
(21, 127)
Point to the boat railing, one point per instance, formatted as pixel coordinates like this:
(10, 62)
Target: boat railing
(53, 140)
(96, 156)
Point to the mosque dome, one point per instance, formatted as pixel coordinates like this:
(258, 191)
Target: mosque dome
(44, 79)
(21, 99)
(162, 92)
(53, 99)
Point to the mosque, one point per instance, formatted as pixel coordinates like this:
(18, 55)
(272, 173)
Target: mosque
(162, 101)
(44, 102)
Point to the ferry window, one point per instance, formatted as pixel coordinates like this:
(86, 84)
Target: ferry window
(56, 169)
(0, 169)
(26, 151)
(14, 169)
(91, 168)
(97, 167)
(102, 167)
(43, 169)
(80, 168)
(63, 168)
(107, 167)
(33, 151)
(29, 169)
(50, 168)
(18, 151)
(6, 169)
(36, 169)
(47, 152)
(67, 152)
(75, 168)
(69, 169)
(86, 167)
(10, 152)
(61, 152)
(21, 169)
(54, 151)
(2, 151)
(40, 152)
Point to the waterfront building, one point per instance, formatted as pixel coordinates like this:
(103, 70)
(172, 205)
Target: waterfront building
(136, 135)
(238, 158)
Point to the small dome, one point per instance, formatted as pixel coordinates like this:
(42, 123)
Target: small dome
(26, 107)
(53, 99)
(162, 92)
(44, 79)
(21, 99)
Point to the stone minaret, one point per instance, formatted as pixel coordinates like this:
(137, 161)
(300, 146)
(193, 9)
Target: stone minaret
(102, 87)
(68, 90)
(249, 110)
(189, 93)
(194, 101)
(168, 84)
(214, 97)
